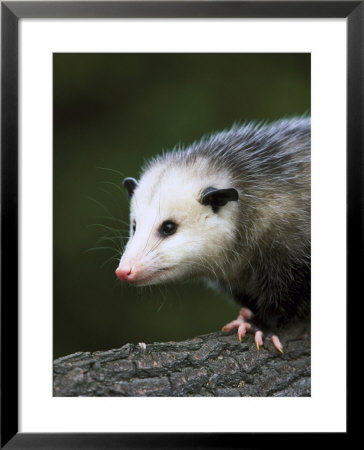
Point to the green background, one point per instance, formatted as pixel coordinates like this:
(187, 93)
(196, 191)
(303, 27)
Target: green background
(111, 113)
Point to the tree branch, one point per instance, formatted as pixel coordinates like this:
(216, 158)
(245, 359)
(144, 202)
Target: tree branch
(216, 364)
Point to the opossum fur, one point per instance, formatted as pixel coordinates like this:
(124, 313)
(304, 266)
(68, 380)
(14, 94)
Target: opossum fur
(252, 240)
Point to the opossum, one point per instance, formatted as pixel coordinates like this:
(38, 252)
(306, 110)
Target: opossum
(233, 208)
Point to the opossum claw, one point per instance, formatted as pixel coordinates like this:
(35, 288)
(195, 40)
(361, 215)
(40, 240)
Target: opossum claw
(243, 328)
(258, 338)
(277, 343)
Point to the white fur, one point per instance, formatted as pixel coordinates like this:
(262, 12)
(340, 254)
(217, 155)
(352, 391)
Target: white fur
(173, 193)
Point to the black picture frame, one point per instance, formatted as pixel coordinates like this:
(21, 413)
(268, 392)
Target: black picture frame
(11, 12)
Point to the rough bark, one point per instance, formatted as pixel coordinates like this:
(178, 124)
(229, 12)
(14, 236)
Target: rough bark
(216, 364)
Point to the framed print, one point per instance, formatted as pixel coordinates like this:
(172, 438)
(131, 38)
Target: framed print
(91, 93)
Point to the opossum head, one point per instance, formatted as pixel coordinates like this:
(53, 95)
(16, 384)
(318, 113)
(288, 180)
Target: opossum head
(181, 223)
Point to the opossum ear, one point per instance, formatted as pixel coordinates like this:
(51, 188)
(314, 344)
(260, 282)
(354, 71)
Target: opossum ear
(218, 197)
(130, 184)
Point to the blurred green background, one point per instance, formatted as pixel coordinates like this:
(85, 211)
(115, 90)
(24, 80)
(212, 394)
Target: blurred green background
(111, 113)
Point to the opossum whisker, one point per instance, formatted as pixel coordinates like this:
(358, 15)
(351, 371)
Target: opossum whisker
(118, 203)
(164, 296)
(205, 263)
(111, 170)
(119, 248)
(105, 191)
(150, 233)
(99, 204)
(115, 239)
(116, 219)
(107, 227)
(159, 241)
(161, 305)
(101, 239)
(118, 237)
(100, 248)
(114, 185)
(112, 258)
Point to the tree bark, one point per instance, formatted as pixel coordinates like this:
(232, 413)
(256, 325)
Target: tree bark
(215, 364)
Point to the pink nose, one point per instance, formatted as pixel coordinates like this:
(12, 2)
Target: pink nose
(124, 273)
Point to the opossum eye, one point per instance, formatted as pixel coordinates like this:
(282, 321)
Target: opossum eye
(134, 226)
(167, 228)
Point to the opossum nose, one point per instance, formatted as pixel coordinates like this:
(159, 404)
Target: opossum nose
(124, 273)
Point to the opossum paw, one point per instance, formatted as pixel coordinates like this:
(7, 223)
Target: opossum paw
(243, 327)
